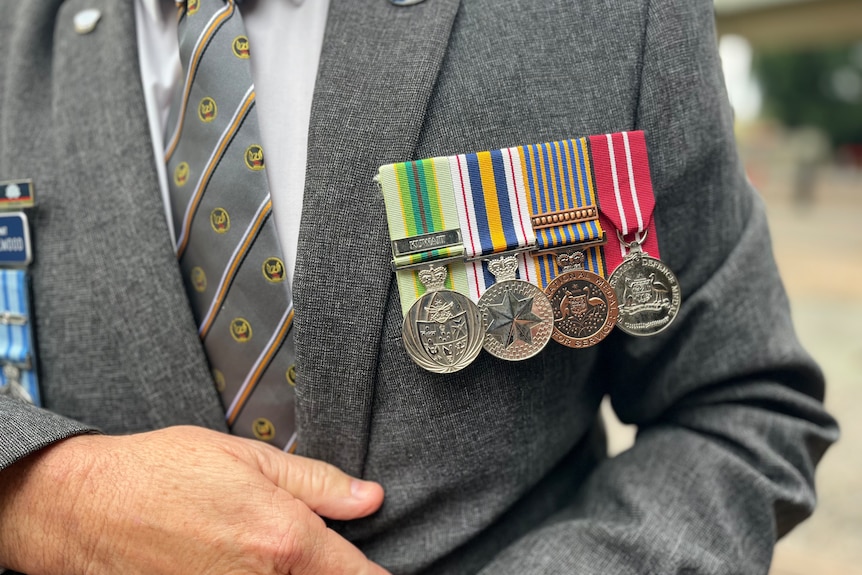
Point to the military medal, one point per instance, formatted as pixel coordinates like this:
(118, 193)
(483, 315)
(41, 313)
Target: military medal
(490, 193)
(18, 378)
(442, 332)
(648, 293)
(516, 315)
(442, 329)
(647, 290)
(11, 384)
(584, 304)
(569, 262)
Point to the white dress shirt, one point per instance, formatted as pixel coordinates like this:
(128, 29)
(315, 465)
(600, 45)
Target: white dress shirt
(286, 38)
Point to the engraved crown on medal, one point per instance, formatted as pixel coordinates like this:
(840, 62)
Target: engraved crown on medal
(433, 278)
(572, 261)
(503, 268)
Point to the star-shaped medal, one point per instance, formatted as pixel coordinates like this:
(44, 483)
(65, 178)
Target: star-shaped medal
(511, 320)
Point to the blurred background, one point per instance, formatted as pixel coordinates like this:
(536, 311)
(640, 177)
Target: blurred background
(794, 76)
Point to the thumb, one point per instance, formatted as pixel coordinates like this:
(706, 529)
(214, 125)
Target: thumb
(324, 488)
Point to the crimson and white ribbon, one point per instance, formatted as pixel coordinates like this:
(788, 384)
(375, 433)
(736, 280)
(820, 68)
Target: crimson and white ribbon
(625, 192)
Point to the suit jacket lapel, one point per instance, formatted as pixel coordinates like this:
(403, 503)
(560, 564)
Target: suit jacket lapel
(104, 231)
(377, 70)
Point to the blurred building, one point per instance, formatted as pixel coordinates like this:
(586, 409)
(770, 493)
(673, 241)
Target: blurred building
(792, 24)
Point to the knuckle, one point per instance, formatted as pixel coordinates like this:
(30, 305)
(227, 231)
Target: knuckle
(298, 543)
(320, 477)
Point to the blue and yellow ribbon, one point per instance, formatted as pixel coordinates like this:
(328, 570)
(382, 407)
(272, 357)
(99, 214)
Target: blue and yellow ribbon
(562, 201)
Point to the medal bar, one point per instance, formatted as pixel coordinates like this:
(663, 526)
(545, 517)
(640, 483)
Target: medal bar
(18, 378)
(522, 233)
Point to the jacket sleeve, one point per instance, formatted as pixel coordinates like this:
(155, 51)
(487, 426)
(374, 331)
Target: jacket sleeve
(25, 429)
(727, 404)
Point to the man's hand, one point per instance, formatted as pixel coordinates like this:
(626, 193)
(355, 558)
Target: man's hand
(182, 500)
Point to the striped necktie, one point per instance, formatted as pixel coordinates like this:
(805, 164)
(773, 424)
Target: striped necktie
(227, 245)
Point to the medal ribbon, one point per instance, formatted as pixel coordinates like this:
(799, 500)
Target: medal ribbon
(492, 208)
(423, 223)
(562, 203)
(626, 200)
(16, 337)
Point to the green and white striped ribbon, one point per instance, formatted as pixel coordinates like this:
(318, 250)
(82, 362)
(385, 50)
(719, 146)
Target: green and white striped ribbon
(423, 224)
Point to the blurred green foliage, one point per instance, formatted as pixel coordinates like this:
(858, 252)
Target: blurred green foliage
(820, 88)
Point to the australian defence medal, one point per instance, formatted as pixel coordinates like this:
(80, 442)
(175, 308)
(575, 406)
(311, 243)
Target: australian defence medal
(647, 290)
(648, 293)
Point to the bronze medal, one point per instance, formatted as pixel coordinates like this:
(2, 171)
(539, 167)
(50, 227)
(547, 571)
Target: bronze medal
(584, 304)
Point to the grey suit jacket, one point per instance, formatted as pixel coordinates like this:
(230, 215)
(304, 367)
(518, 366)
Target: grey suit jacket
(500, 468)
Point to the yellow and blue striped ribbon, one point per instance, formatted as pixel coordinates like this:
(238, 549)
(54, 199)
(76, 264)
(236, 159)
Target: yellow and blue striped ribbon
(419, 201)
(492, 208)
(559, 177)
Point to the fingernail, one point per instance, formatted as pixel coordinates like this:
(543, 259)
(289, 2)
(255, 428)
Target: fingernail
(361, 489)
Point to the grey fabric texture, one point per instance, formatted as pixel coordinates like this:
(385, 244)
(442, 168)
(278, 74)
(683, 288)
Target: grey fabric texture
(500, 468)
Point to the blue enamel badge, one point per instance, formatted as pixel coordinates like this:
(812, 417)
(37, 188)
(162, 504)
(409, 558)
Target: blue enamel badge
(15, 240)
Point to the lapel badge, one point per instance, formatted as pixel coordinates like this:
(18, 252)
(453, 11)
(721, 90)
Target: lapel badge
(17, 194)
(85, 21)
(15, 249)
(15, 245)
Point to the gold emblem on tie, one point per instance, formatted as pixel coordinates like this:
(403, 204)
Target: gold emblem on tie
(273, 270)
(240, 47)
(207, 110)
(199, 279)
(218, 378)
(254, 157)
(291, 375)
(263, 429)
(220, 220)
(181, 174)
(240, 330)
(193, 6)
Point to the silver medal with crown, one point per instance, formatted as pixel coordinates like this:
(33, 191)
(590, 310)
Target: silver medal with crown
(442, 330)
(648, 291)
(517, 315)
